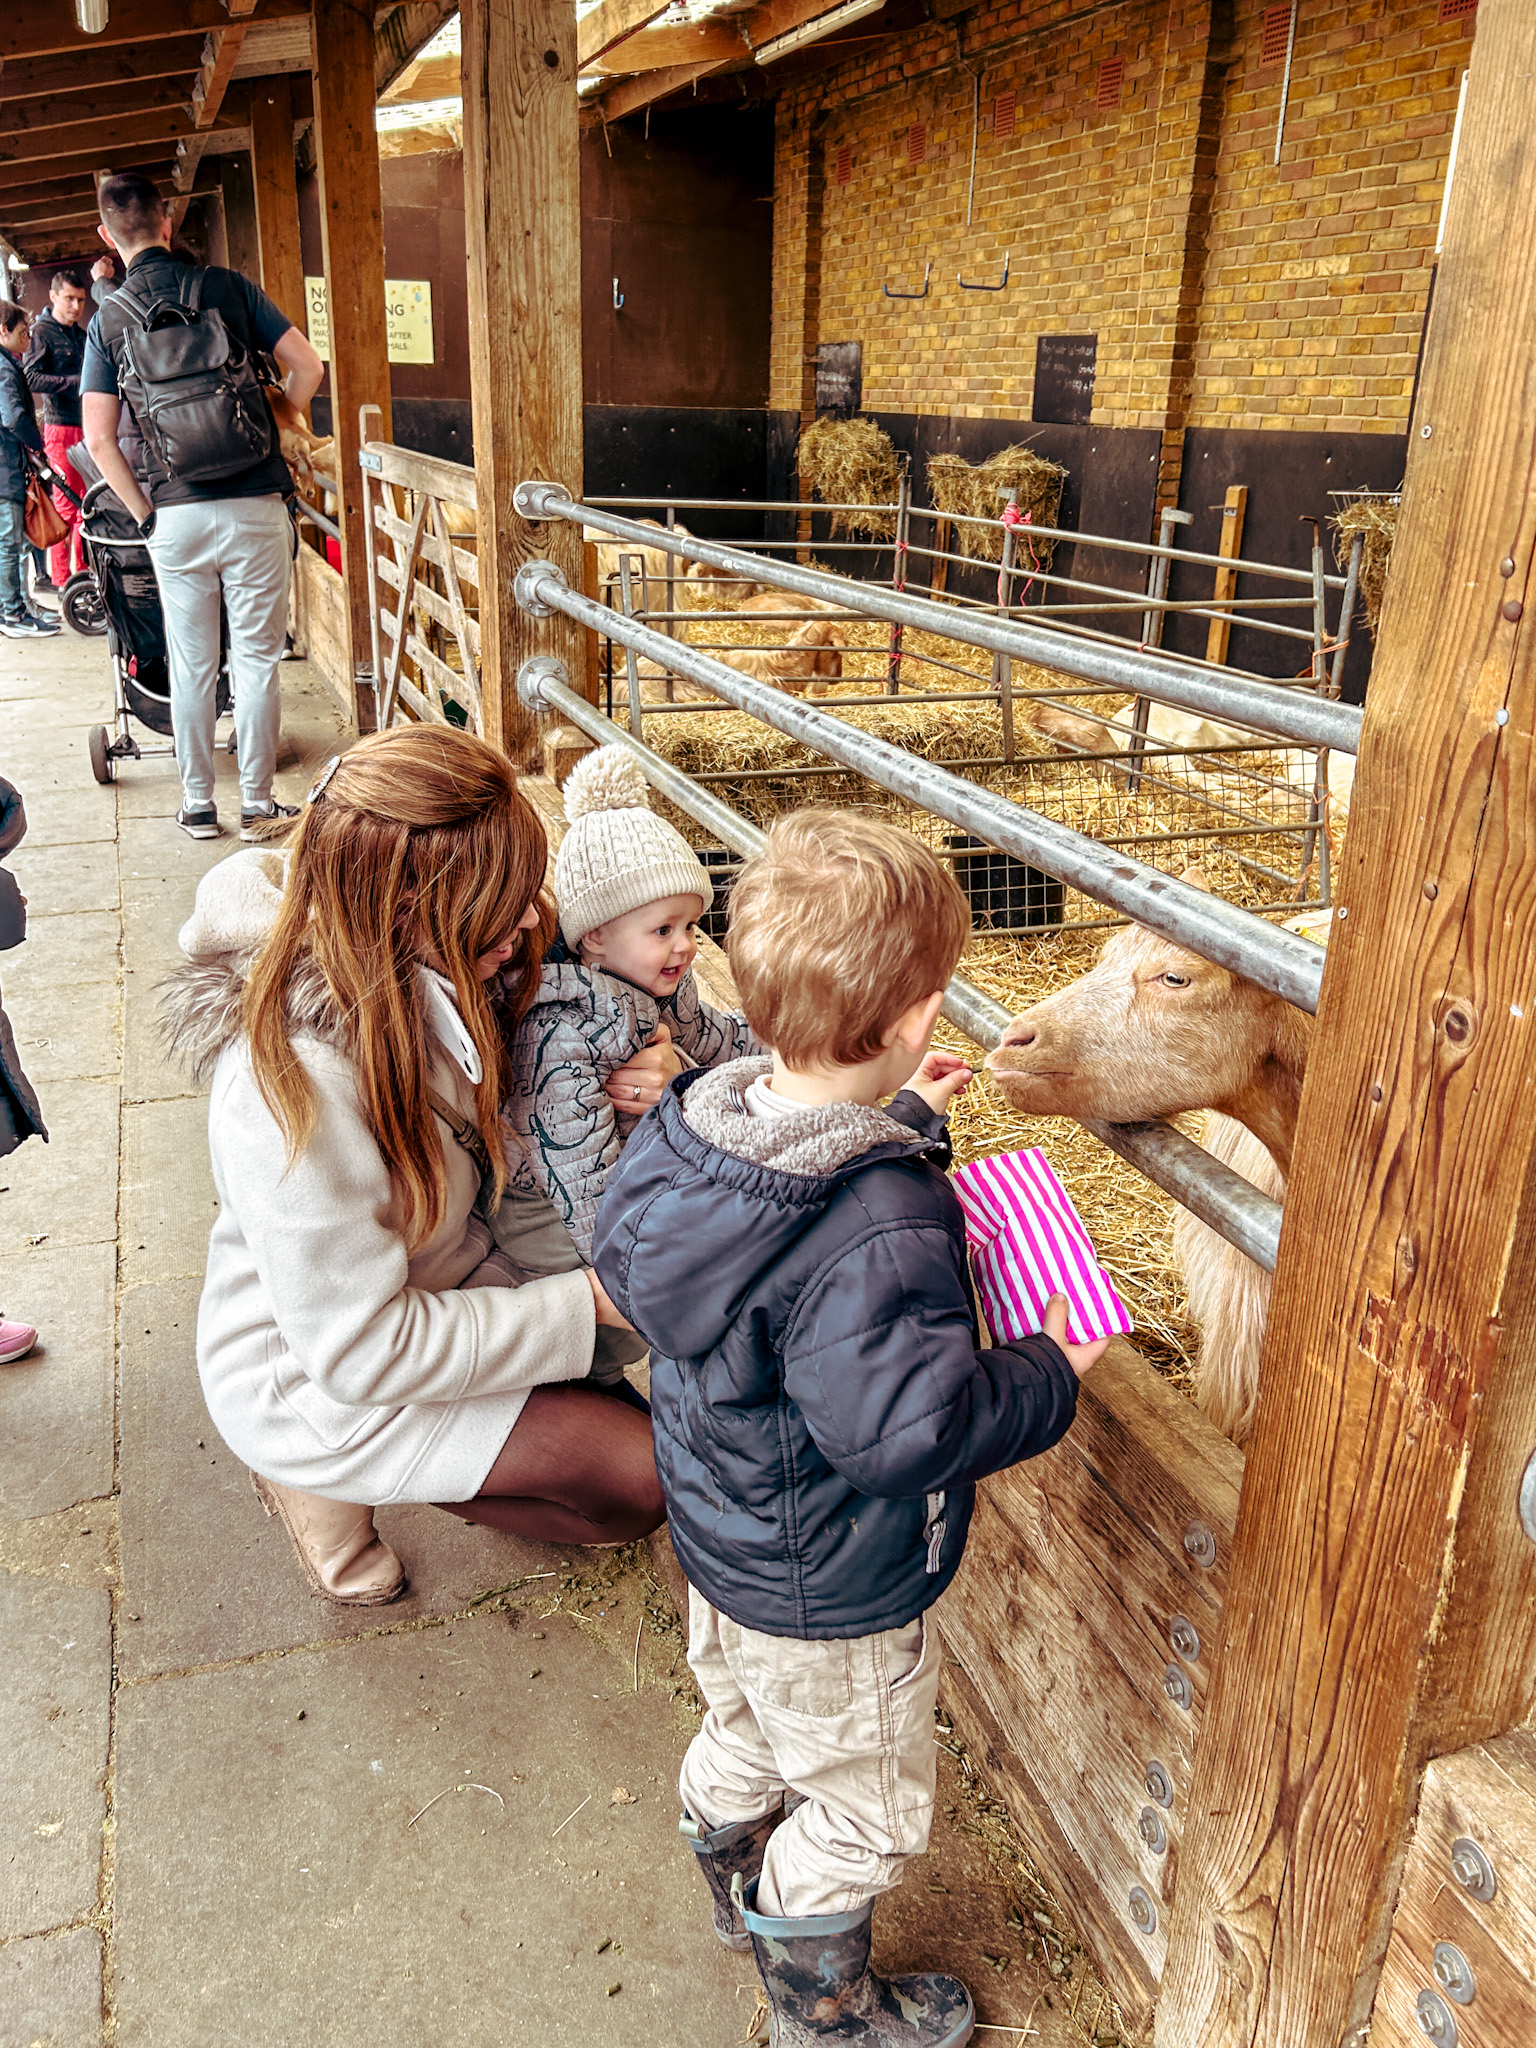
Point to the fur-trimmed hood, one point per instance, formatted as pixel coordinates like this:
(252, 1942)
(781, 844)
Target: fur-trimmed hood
(235, 908)
(816, 1141)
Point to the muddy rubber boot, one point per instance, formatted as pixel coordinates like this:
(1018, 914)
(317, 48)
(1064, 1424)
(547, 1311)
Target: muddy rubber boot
(343, 1555)
(726, 1853)
(823, 1992)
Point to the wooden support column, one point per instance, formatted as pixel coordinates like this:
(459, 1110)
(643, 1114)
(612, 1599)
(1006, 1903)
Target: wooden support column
(1381, 1608)
(352, 215)
(240, 237)
(522, 207)
(277, 194)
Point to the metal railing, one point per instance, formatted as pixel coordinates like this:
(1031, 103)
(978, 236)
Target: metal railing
(1212, 1191)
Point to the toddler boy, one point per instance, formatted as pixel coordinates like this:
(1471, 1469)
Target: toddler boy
(795, 1257)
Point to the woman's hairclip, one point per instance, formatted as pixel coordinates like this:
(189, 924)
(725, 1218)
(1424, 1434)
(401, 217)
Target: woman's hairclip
(323, 778)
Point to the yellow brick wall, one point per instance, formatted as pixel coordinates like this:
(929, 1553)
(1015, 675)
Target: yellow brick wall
(1305, 303)
(1318, 271)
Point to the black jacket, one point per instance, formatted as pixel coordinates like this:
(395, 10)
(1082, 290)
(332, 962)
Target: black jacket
(52, 366)
(20, 1116)
(18, 429)
(822, 1410)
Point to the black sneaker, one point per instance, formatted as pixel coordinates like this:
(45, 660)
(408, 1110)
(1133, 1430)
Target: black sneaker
(28, 626)
(199, 822)
(266, 824)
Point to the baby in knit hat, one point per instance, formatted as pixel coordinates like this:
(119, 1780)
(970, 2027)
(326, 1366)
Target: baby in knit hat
(629, 891)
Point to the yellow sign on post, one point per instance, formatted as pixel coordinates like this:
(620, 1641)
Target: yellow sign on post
(407, 309)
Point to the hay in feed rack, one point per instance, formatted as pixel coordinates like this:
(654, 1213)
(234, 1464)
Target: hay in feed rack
(975, 491)
(852, 462)
(1375, 517)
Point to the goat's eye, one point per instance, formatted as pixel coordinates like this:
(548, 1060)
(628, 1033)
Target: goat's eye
(1175, 980)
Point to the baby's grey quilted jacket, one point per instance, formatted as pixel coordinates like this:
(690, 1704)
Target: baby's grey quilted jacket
(584, 1023)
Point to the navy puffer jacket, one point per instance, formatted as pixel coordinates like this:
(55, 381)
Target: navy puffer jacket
(822, 1410)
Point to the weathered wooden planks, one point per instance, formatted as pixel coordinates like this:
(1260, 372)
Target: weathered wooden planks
(277, 193)
(1383, 1599)
(523, 229)
(352, 215)
(1061, 1620)
(1486, 1795)
(320, 621)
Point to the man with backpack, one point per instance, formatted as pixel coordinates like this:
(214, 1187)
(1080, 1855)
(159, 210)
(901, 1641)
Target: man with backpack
(53, 371)
(179, 346)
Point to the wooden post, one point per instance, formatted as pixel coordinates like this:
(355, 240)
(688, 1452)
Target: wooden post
(277, 194)
(1233, 513)
(1382, 1600)
(522, 207)
(352, 212)
(240, 240)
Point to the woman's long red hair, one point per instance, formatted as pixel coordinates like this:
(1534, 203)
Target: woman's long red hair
(420, 842)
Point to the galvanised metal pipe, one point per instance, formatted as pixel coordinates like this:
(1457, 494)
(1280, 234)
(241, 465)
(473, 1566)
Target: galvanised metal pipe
(1301, 718)
(1280, 961)
(1233, 1207)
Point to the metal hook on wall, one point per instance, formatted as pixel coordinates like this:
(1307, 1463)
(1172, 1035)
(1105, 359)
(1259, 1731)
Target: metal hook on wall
(618, 296)
(1001, 285)
(927, 274)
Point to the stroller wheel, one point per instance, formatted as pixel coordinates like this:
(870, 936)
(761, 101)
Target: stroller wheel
(81, 607)
(101, 760)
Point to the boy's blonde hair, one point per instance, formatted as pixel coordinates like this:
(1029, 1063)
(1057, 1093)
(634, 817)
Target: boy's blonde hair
(837, 928)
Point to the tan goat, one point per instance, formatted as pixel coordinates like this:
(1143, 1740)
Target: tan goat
(1154, 1031)
(810, 663)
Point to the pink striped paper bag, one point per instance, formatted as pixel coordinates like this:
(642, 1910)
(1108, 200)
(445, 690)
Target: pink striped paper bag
(1027, 1242)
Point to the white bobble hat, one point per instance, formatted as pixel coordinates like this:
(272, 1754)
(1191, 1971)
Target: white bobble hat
(617, 853)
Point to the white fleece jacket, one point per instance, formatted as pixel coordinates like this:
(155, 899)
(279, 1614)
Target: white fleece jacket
(329, 1359)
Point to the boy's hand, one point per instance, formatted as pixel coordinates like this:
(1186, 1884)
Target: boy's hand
(607, 1314)
(1078, 1356)
(940, 1079)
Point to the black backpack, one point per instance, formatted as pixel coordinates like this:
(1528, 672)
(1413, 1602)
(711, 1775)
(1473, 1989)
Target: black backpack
(192, 386)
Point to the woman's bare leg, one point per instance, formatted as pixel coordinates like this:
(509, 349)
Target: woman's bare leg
(577, 1468)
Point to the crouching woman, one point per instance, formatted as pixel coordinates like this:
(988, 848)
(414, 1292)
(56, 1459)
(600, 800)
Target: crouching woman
(361, 1341)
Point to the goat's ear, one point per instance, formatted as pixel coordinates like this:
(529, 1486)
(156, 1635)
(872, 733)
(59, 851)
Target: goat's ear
(1196, 878)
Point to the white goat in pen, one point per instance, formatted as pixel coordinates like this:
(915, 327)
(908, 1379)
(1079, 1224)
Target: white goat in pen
(1154, 1031)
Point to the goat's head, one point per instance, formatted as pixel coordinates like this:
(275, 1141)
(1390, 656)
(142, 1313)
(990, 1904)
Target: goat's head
(1150, 1030)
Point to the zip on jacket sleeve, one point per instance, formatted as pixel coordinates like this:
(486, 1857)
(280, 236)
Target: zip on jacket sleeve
(903, 1402)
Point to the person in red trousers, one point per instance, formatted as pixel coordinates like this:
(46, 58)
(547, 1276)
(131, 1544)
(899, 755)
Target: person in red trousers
(53, 371)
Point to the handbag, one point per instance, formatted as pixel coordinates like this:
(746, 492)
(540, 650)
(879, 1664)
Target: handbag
(44, 523)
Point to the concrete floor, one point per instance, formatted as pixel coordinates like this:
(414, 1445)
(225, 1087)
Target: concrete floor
(229, 1811)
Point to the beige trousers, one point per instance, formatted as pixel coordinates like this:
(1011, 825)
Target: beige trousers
(849, 1725)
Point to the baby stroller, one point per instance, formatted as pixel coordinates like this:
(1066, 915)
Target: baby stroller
(116, 592)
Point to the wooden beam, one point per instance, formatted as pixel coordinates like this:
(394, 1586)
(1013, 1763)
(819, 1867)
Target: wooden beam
(402, 33)
(39, 28)
(75, 182)
(100, 139)
(274, 174)
(85, 163)
(1234, 512)
(221, 53)
(62, 110)
(633, 94)
(522, 209)
(426, 78)
(1382, 1608)
(44, 213)
(610, 23)
(658, 49)
(84, 71)
(238, 193)
(352, 213)
(239, 9)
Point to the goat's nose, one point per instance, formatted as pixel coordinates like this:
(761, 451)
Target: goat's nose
(1019, 1032)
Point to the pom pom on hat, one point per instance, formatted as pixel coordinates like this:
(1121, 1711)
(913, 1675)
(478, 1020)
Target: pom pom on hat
(606, 780)
(617, 854)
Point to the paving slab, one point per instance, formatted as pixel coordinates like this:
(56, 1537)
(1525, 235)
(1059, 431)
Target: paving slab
(64, 1192)
(50, 1991)
(281, 1875)
(168, 1203)
(54, 1701)
(149, 1072)
(207, 1577)
(71, 1031)
(56, 949)
(55, 879)
(62, 813)
(56, 1404)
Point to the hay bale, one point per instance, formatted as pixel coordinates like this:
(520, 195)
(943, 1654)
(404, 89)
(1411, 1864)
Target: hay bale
(851, 462)
(1376, 518)
(974, 491)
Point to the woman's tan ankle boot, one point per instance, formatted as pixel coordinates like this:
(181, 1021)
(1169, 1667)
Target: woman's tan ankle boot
(343, 1555)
